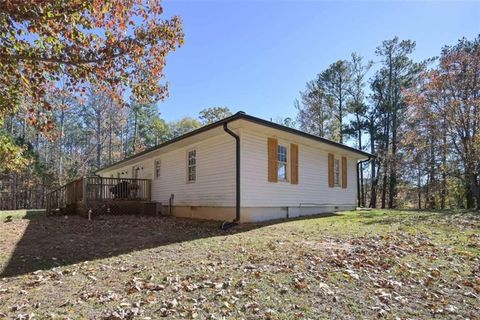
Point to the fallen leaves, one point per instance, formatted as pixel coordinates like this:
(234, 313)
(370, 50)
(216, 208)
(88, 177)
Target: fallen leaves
(263, 273)
(122, 313)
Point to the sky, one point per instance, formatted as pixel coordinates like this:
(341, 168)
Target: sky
(255, 56)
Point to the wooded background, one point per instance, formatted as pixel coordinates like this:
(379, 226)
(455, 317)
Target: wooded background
(420, 118)
(65, 111)
(89, 135)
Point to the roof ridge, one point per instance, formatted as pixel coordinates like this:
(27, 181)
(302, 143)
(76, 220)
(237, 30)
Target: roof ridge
(236, 116)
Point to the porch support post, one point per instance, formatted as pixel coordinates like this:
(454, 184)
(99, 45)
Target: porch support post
(149, 190)
(84, 198)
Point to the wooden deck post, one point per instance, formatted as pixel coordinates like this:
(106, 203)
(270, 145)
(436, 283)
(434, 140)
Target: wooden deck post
(47, 211)
(101, 189)
(74, 193)
(149, 190)
(84, 197)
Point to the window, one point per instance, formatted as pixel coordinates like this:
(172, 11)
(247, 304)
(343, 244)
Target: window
(336, 172)
(192, 166)
(157, 169)
(282, 162)
(118, 175)
(135, 172)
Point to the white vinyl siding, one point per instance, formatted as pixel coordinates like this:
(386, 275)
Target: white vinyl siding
(312, 188)
(215, 173)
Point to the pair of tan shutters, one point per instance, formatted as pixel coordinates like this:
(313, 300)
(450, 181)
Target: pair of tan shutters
(273, 164)
(331, 171)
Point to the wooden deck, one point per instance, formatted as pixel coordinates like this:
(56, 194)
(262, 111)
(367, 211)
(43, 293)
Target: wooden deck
(91, 196)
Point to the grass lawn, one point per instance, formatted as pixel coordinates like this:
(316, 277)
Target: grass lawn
(366, 264)
(22, 214)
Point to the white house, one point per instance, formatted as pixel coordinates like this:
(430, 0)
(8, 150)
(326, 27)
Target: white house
(246, 169)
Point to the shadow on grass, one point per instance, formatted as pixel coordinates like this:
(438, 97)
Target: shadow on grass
(34, 214)
(56, 241)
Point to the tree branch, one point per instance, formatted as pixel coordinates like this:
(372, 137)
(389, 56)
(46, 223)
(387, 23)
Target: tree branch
(18, 57)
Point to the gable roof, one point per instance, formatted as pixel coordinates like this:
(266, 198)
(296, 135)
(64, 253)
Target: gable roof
(237, 116)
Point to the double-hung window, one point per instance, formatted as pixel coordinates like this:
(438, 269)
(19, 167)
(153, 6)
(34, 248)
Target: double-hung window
(135, 172)
(282, 162)
(336, 172)
(157, 168)
(192, 165)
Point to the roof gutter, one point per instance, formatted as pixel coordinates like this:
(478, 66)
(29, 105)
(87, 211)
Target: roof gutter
(217, 124)
(237, 116)
(227, 225)
(370, 157)
(301, 133)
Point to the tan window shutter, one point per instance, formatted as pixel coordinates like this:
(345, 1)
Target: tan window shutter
(272, 159)
(344, 172)
(331, 179)
(294, 163)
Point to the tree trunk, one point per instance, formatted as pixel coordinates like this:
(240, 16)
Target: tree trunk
(373, 191)
(340, 113)
(385, 160)
(60, 146)
(125, 144)
(134, 131)
(359, 136)
(443, 192)
(98, 137)
(393, 165)
(419, 187)
(432, 174)
(470, 201)
(477, 193)
(387, 127)
(110, 128)
(374, 185)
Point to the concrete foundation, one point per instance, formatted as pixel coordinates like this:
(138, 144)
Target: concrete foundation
(251, 214)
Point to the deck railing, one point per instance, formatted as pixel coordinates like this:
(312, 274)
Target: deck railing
(98, 188)
(94, 189)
